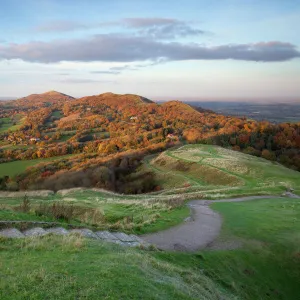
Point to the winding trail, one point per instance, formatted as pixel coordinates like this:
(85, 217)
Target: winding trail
(198, 231)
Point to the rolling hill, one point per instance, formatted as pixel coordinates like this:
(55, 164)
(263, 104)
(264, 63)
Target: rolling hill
(45, 99)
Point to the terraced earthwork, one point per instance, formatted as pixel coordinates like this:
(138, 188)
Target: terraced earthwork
(220, 172)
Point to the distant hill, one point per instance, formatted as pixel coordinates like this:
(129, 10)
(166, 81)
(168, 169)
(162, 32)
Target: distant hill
(51, 97)
(115, 100)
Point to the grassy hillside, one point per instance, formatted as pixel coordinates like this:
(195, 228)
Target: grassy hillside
(265, 267)
(72, 268)
(218, 172)
(268, 267)
(97, 209)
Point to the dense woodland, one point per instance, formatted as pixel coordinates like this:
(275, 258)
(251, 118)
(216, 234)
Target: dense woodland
(107, 136)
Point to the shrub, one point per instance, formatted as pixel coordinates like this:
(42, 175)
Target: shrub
(24, 205)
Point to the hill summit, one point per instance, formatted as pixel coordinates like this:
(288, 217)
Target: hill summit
(50, 97)
(116, 100)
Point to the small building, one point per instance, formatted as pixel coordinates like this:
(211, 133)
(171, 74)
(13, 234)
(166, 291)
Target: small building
(34, 139)
(171, 136)
(133, 118)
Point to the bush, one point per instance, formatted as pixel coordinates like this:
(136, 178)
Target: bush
(12, 186)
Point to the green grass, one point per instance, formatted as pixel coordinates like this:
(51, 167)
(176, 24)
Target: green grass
(18, 147)
(103, 213)
(57, 114)
(55, 267)
(7, 124)
(16, 167)
(268, 267)
(11, 215)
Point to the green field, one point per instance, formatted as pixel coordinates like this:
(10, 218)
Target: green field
(19, 166)
(8, 124)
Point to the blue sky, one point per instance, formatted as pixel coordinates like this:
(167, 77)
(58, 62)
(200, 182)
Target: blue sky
(192, 49)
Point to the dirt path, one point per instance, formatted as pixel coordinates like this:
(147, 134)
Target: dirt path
(198, 231)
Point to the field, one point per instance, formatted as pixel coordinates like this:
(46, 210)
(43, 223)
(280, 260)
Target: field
(16, 167)
(219, 173)
(8, 124)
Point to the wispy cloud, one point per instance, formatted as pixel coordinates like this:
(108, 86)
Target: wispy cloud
(106, 72)
(60, 26)
(124, 68)
(159, 28)
(163, 28)
(83, 81)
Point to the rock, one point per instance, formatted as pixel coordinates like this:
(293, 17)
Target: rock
(116, 242)
(85, 233)
(105, 235)
(123, 237)
(57, 230)
(11, 233)
(290, 195)
(131, 244)
(135, 238)
(119, 238)
(38, 231)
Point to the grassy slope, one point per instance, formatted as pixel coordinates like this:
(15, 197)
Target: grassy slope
(220, 173)
(70, 268)
(145, 216)
(269, 266)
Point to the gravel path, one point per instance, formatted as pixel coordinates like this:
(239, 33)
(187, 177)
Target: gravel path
(198, 231)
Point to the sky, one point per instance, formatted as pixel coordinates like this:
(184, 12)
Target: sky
(246, 50)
